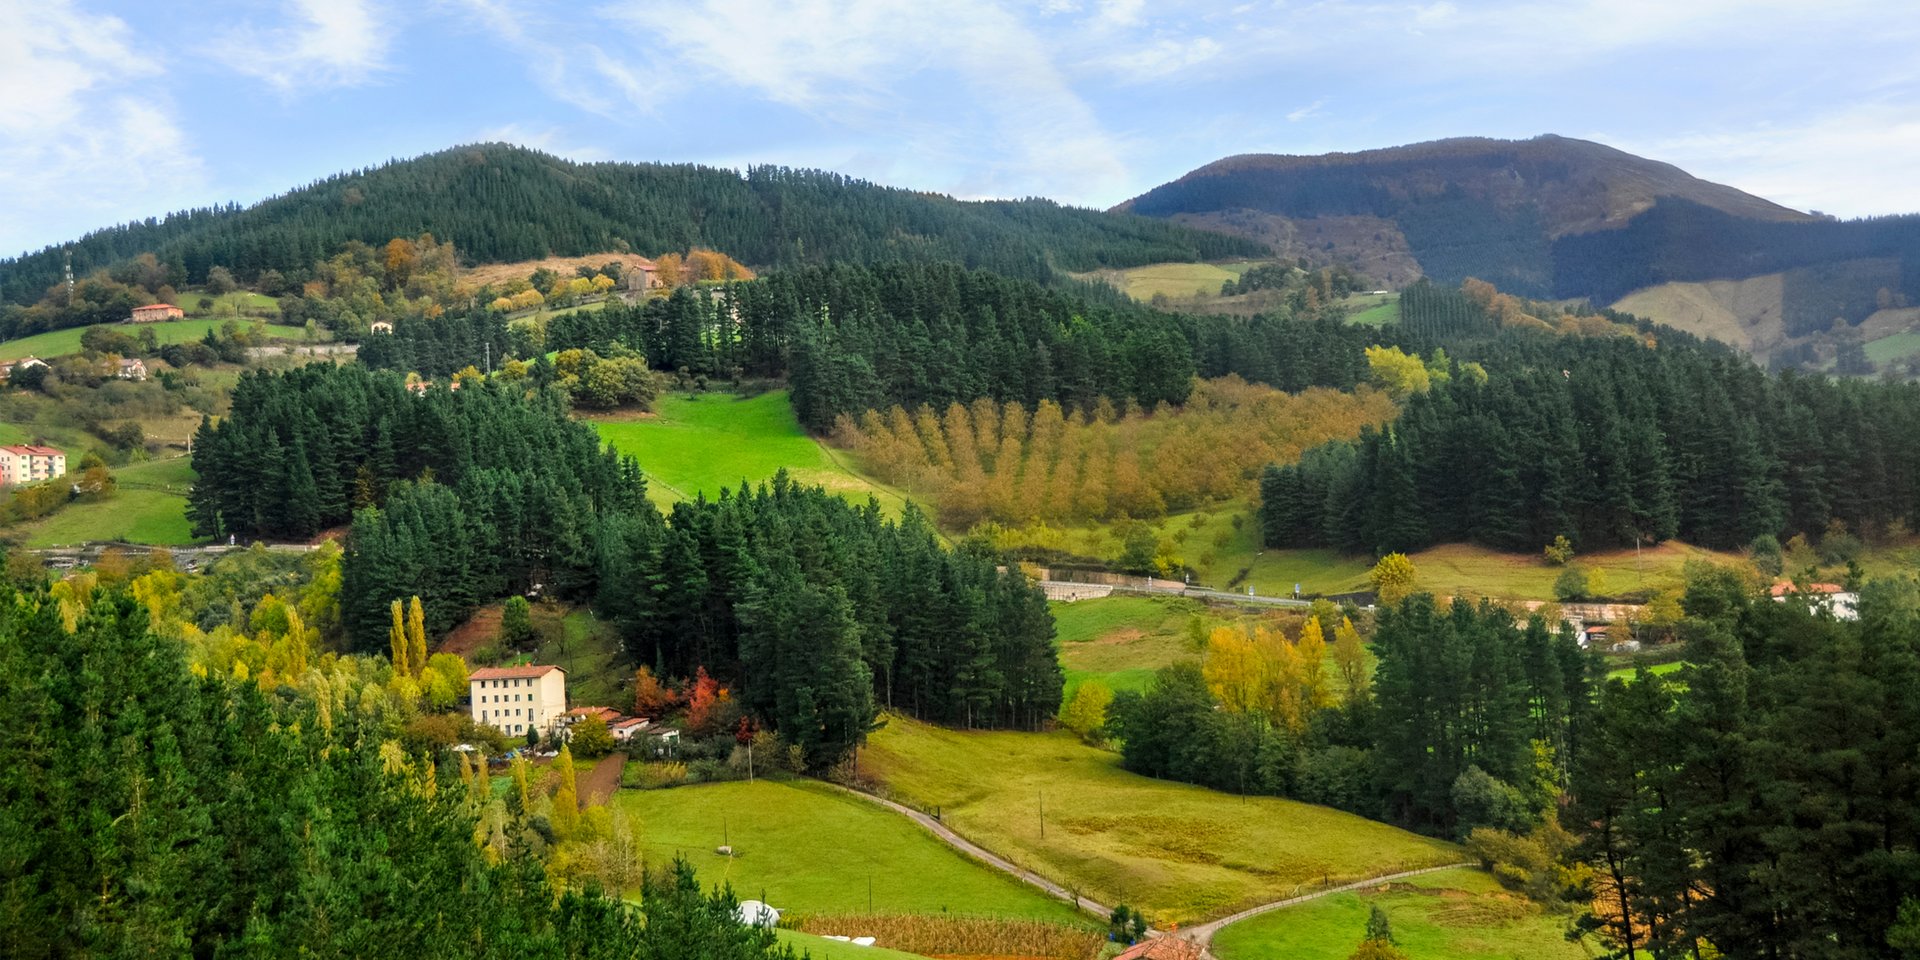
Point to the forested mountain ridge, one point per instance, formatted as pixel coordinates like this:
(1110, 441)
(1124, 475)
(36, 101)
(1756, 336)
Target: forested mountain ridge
(503, 203)
(1567, 219)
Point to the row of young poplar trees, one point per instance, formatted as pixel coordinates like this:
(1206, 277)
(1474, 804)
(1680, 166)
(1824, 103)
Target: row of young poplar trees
(818, 611)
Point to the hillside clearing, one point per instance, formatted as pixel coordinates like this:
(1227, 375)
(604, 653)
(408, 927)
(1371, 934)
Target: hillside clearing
(60, 343)
(1177, 281)
(149, 506)
(1457, 914)
(699, 443)
(1373, 311)
(1180, 852)
(806, 848)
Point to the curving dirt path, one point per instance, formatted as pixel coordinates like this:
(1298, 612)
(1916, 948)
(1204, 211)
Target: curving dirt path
(977, 852)
(1201, 934)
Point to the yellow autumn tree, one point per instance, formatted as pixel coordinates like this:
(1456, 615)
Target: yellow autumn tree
(416, 638)
(1282, 696)
(397, 646)
(566, 797)
(1085, 713)
(1393, 578)
(1314, 689)
(1234, 670)
(1351, 659)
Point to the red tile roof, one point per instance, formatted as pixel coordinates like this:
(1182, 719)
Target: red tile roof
(34, 451)
(158, 306)
(1783, 588)
(512, 673)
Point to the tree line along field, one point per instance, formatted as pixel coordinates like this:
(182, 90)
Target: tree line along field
(1460, 914)
(695, 444)
(59, 343)
(812, 849)
(1181, 853)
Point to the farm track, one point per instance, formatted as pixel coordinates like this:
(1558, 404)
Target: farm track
(1202, 935)
(599, 784)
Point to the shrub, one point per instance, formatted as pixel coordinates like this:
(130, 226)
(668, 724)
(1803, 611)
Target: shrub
(1393, 578)
(1481, 799)
(1766, 554)
(516, 623)
(1559, 551)
(1571, 584)
(590, 737)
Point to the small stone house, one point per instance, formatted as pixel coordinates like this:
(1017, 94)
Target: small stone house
(156, 312)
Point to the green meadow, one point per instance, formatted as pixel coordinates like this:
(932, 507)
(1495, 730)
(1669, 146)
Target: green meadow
(1182, 853)
(699, 443)
(59, 343)
(149, 506)
(809, 848)
(1458, 914)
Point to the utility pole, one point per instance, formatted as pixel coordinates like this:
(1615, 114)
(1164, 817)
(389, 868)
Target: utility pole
(1043, 813)
(69, 272)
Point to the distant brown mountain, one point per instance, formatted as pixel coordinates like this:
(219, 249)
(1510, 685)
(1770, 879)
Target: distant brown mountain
(1447, 209)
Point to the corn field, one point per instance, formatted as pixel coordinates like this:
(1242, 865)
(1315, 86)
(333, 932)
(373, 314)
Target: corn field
(970, 937)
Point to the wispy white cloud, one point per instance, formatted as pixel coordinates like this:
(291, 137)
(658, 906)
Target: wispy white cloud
(1158, 59)
(972, 90)
(323, 43)
(1310, 110)
(576, 71)
(86, 134)
(549, 139)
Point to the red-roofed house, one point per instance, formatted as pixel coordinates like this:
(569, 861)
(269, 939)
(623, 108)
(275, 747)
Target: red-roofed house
(30, 464)
(626, 729)
(1831, 597)
(156, 312)
(517, 699)
(578, 714)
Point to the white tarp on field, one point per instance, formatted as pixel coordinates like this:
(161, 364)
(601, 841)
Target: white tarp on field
(756, 914)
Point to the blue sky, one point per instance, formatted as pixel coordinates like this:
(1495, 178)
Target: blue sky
(119, 110)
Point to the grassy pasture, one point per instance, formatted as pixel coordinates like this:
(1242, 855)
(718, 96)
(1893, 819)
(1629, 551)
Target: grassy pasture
(599, 673)
(58, 343)
(1208, 541)
(1458, 914)
(1180, 852)
(1123, 640)
(244, 302)
(1891, 348)
(149, 506)
(1179, 281)
(1373, 310)
(699, 443)
(813, 850)
(1466, 569)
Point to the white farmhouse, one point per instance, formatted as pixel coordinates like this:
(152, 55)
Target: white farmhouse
(517, 699)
